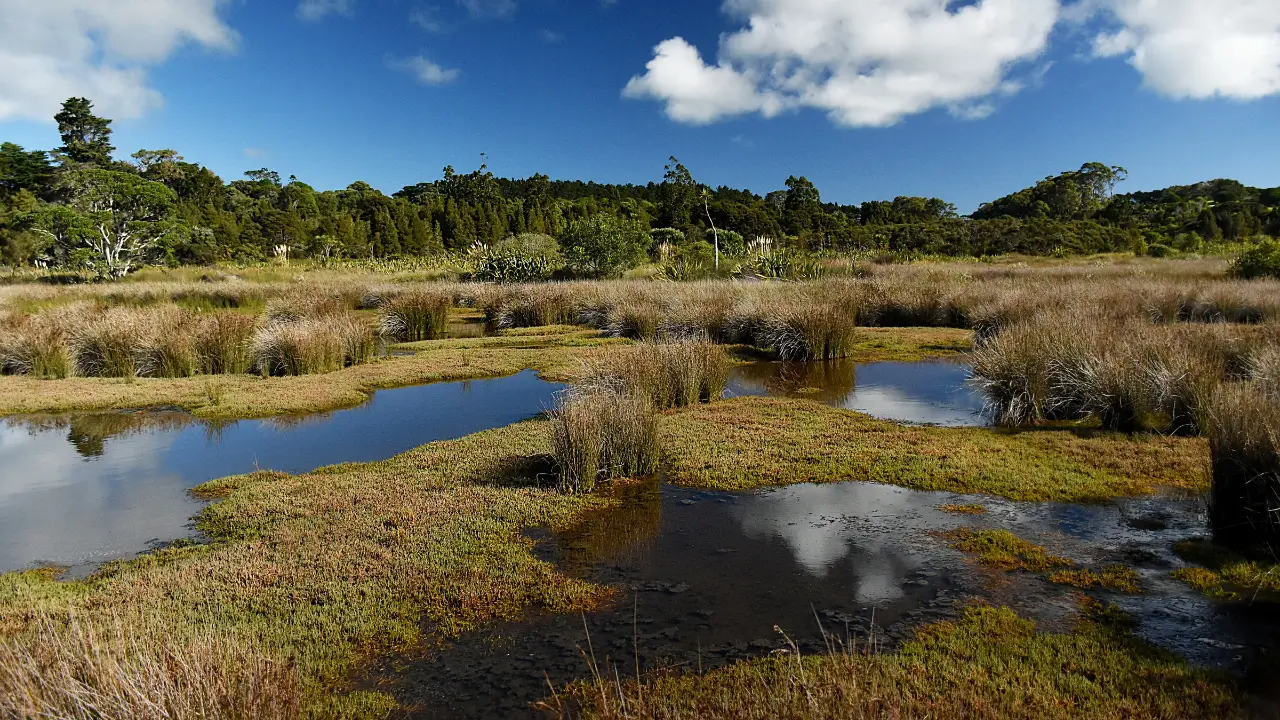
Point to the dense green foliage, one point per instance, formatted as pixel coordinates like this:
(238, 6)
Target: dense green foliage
(1260, 261)
(77, 208)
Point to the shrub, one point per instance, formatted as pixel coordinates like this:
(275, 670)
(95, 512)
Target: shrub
(783, 265)
(602, 246)
(1262, 260)
(603, 432)
(695, 261)
(416, 315)
(526, 257)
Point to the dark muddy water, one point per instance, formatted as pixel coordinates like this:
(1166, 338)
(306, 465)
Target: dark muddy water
(77, 490)
(705, 578)
(934, 393)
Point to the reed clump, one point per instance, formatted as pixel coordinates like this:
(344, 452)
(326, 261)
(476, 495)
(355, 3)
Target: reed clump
(311, 346)
(670, 374)
(222, 341)
(803, 328)
(70, 669)
(1243, 430)
(603, 431)
(109, 344)
(35, 346)
(416, 315)
(167, 348)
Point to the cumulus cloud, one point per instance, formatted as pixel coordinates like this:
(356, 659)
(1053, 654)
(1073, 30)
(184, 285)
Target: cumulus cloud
(56, 49)
(865, 62)
(1194, 48)
(426, 71)
(315, 10)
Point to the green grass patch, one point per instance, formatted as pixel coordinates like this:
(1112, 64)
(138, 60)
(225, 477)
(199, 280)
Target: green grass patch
(752, 442)
(1003, 550)
(1111, 577)
(1226, 575)
(990, 664)
(966, 509)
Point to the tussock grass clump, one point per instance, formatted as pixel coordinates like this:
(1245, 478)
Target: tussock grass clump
(307, 303)
(35, 346)
(677, 374)
(416, 315)
(1013, 371)
(603, 432)
(635, 320)
(802, 327)
(70, 669)
(168, 348)
(311, 346)
(532, 306)
(1102, 371)
(108, 345)
(221, 343)
(1243, 429)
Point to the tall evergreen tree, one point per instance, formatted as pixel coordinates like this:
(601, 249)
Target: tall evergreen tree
(86, 138)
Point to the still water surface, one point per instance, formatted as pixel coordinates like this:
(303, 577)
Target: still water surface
(934, 393)
(79, 489)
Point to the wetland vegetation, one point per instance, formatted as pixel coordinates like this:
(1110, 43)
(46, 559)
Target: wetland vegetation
(1062, 504)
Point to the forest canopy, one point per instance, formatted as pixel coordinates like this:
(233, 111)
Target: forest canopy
(78, 207)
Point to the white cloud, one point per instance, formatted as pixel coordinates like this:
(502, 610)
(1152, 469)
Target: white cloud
(1196, 48)
(865, 62)
(315, 10)
(56, 49)
(426, 71)
(427, 18)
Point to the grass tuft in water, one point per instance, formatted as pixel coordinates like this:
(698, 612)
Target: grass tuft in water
(603, 432)
(416, 315)
(1003, 550)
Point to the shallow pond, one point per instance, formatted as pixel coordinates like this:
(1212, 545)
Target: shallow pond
(935, 393)
(706, 577)
(79, 489)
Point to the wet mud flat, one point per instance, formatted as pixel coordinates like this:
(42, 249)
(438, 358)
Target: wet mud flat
(708, 578)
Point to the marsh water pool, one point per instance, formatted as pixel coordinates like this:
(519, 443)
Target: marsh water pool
(708, 578)
(80, 489)
(928, 393)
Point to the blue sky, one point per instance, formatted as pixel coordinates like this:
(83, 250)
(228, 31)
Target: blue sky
(966, 102)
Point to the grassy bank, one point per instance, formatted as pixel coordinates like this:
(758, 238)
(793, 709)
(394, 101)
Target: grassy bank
(990, 664)
(321, 571)
(557, 353)
(747, 443)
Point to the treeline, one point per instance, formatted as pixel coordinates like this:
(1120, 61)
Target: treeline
(78, 207)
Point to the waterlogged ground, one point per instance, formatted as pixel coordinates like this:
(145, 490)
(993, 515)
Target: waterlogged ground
(708, 578)
(933, 393)
(77, 490)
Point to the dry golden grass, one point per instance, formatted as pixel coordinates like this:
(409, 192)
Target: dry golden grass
(71, 669)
